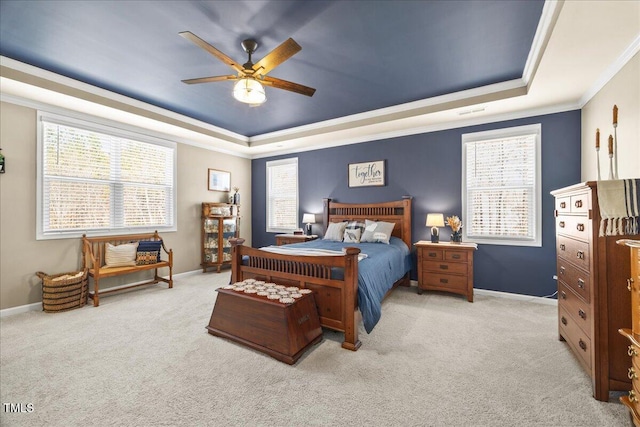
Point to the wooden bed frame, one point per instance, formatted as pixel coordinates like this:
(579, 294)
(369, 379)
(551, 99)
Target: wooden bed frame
(337, 300)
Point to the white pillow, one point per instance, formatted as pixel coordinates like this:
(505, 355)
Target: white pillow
(377, 232)
(121, 255)
(352, 235)
(335, 231)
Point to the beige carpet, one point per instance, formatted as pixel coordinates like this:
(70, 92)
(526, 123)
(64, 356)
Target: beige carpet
(143, 358)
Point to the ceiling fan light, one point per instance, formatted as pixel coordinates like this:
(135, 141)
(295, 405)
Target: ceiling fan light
(249, 91)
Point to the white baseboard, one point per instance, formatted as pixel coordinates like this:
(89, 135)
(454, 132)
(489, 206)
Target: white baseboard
(37, 306)
(520, 297)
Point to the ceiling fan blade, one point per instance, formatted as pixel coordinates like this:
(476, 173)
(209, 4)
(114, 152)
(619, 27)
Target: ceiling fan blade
(277, 56)
(210, 79)
(212, 50)
(286, 85)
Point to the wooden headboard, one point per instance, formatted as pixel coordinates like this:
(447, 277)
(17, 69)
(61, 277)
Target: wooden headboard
(397, 212)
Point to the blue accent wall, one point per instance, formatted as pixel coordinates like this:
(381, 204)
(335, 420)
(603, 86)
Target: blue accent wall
(429, 168)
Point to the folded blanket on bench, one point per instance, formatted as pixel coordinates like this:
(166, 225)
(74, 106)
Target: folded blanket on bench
(619, 206)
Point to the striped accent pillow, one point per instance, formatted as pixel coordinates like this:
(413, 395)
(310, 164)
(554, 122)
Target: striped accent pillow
(120, 255)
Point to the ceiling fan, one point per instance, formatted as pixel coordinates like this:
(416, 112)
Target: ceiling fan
(250, 77)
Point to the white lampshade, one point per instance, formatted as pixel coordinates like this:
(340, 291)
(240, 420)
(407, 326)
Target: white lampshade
(309, 218)
(249, 91)
(435, 220)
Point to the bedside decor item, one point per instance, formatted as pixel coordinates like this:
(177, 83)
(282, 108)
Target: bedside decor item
(219, 180)
(366, 174)
(435, 220)
(236, 196)
(309, 219)
(456, 228)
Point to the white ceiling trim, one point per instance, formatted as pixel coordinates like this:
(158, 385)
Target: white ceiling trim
(550, 12)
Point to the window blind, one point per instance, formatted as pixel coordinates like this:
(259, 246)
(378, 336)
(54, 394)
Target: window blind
(282, 195)
(96, 181)
(501, 188)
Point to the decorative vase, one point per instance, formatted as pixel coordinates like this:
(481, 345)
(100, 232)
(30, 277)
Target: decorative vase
(236, 198)
(456, 236)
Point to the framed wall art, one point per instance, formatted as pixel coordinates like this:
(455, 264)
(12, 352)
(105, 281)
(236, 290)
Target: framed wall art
(219, 180)
(367, 174)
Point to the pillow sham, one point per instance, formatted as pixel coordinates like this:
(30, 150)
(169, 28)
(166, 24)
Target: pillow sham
(148, 252)
(353, 231)
(120, 255)
(335, 231)
(377, 232)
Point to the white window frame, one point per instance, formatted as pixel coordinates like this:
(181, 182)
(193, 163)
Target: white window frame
(108, 127)
(536, 221)
(276, 163)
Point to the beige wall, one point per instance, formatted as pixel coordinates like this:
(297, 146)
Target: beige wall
(622, 90)
(21, 255)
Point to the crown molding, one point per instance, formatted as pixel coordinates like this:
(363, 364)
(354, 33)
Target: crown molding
(550, 13)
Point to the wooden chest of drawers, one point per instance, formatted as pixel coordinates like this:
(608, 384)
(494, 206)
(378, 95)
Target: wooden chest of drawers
(633, 335)
(446, 267)
(593, 299)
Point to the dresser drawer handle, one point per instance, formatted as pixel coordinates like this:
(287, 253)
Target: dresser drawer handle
(563, 205)
(580, 255)
(580, 227)
(562, 247)
(564, 321)
(433, 254)
(632, 351)
(581, 283)
(582, 314)
(578, 204)
(444, 280)
(561, 224)
(630, 283)
(561, 271)
(582, 345)
(632, 374)
(563, 295)
(455, 256)
(444, 267)
(632, 396)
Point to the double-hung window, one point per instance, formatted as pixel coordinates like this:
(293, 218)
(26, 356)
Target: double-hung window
(98, 178)
(501, 194)
(282, 195)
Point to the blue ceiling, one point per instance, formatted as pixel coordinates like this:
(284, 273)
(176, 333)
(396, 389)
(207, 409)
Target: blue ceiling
(359, 55)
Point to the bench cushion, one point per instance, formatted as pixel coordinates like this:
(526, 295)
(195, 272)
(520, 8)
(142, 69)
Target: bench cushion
(148, 252)
(121, 255)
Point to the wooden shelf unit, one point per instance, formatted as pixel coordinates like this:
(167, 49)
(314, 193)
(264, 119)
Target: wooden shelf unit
(220, 222)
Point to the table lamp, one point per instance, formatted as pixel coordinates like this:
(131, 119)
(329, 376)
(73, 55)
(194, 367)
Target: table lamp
(309, 219)
(435, 220)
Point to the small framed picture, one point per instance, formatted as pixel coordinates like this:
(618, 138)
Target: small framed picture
(219, 180)
(366, 174)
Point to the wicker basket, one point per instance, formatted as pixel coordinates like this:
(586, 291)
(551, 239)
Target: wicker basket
(64, 291)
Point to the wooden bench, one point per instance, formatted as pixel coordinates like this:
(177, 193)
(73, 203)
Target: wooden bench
(93, 259)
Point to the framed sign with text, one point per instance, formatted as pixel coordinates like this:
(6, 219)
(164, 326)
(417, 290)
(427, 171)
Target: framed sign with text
(367, 174)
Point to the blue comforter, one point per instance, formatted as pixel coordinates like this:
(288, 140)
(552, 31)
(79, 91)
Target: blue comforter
(383, 266)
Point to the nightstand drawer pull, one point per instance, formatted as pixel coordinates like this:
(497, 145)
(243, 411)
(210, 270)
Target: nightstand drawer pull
(581, 283)
(564, 321)
(632, 374)
(582, 345)
(562, 271)
(561, 224)
(562, 247)
(580, 227)
(455, 256)
(433, 254)
(632, 351)
(578, 204)
(444, 280)
(582, 314)
(563, 205)
(444, 267)
(630, 283)
(632, 396)
(563, 295)
(580, 255)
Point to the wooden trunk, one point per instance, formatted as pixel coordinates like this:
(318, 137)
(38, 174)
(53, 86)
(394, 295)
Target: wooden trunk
(283, 331)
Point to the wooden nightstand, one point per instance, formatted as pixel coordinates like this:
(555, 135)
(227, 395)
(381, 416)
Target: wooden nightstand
(286, 239)
(446, 267)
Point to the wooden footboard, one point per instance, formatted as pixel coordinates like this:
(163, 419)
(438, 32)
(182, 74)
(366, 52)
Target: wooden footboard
(336, 299)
